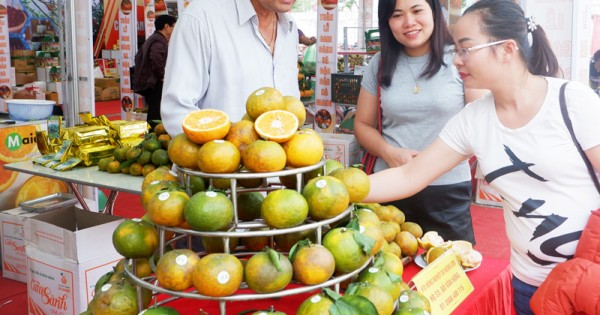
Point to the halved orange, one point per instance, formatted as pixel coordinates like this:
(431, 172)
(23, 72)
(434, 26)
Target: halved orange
(205, 125)
(7, 177)
(276, 125)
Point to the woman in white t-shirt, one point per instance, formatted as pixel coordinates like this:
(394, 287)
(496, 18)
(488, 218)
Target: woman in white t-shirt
(521, 142)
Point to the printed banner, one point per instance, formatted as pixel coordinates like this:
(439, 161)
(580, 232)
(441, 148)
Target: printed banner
(149, 17)
(5, 77)
(326, 64)
(127, 40)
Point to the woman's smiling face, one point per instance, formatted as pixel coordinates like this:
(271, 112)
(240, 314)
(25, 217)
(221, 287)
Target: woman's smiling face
(412, 25)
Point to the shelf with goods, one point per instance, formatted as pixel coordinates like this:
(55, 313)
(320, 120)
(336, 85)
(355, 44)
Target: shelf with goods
(245, 229)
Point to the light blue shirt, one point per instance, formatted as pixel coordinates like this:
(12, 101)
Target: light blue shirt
(217, 58)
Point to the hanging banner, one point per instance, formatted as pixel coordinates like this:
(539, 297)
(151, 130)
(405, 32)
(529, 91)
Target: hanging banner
(160, 7)
(5, 78)
(326, 64)
(149, 17)
(127, 39)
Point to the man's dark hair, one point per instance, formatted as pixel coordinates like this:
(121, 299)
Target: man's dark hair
(162, 20)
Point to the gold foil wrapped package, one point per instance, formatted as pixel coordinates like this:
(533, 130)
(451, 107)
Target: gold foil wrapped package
(130, 142)
(131, 129)
(43, 143)
(64, 152)
(89, 135)
(68, 164)
(91, 154)
(86, 117)
(54, 127)
(42, 160)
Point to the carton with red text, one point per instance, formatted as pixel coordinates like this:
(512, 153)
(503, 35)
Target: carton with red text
(12, 240)
(68, 250)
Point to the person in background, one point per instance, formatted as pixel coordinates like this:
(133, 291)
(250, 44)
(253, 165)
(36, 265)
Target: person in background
(150, 66)
(595, 72)
(305, 40)
(222, 51)
(420, 91)
(521, 142)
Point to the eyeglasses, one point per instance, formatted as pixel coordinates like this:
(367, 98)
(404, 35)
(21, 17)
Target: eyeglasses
(463, 53)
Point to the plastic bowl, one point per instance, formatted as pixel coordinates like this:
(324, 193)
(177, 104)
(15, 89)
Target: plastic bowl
(29, 109)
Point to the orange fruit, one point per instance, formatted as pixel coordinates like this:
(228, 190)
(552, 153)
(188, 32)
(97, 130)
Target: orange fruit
(135, 169)
(379, 277)
(356, 180)
(241, 134)
(276, 125)
(317, 304)
(408, 243)
(347, 253)
(248, 205)
(313, 264)
(7, 177)
(374, 233)
(147, 169)
(166, 208)
(378, 296)
(134, 238)
(263, 100)
(115, 298)
(296, 107)
(205, 125)
(218, 275)
(159, 174)
(256, 243)
(264, 156)
(268, 272)
(160, 157)
(367, 217)
(412, 227)
(19, 143)
(164, 140)
(284, 242)
(183, 152)
(218, 156)
(303, 149)
(174, 269)
(151, 145)
(208, 211)
(327, 197)
(411, 299)
(392, 263)
(37, 187)
(159, 129)
(284, 208)
(154, 188)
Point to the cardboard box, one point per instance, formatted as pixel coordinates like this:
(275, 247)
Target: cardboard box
(343, 148)
(56, 87)
(68, 250)
(25, 77)
(485, 194)
(12, 240)
(107, 82)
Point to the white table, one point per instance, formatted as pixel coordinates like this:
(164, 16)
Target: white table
(88, 176)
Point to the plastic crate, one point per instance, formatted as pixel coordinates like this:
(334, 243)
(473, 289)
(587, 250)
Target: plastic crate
(345, 88)
(372, 42)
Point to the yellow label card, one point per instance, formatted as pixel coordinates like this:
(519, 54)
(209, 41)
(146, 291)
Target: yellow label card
(444, 283)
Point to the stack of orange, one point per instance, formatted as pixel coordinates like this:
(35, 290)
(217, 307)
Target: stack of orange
(267, 138)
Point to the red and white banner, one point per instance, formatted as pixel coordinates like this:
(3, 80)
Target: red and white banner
(128, 41)
(149, 17)
(5, 77)
(326, 64)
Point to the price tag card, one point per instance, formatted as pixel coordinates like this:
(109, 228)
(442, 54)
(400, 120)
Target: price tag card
(444, 283)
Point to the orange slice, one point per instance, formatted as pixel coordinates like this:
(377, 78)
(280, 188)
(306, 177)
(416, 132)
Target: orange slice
(276, 125)
(205, 125)
(7, 177)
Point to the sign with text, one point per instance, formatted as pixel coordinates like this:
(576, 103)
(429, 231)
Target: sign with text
(5, 78)
(326, 64)
(444, 283)
(127, 39)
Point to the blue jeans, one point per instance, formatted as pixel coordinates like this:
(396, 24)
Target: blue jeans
(522, 293)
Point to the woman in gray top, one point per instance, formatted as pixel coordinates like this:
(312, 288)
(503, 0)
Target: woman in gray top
(420, 91)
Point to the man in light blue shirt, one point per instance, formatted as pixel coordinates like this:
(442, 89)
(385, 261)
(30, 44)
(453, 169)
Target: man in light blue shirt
(222, 51)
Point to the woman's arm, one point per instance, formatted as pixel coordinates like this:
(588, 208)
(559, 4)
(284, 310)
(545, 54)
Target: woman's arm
(593, 155)
(401, 182)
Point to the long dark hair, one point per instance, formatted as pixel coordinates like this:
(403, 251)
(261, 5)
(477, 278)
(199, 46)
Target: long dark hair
(391, 49)
(504, 19)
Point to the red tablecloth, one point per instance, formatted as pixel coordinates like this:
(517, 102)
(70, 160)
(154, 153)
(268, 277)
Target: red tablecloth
(492, 292)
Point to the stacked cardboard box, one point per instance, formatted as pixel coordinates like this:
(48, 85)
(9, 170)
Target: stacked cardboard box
(68, 250)
(24, 63)
(107, 89)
